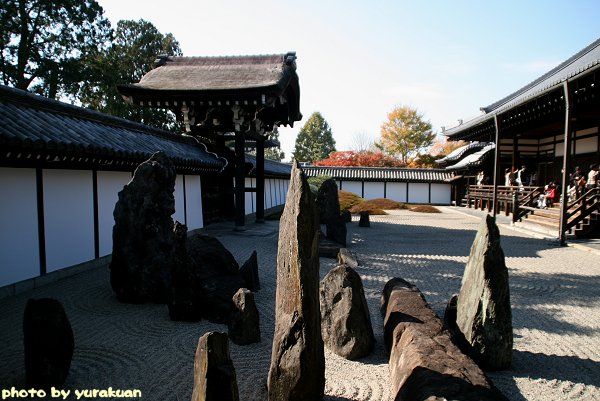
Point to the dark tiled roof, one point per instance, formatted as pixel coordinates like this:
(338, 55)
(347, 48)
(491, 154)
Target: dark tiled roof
(580, 62)
(379, 174)
(584, 62)
(474, 159)
(272, 168)
(217, 73)
(38, 125)
(461, 152)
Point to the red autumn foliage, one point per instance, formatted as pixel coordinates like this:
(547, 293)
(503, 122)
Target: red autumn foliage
(362, 159)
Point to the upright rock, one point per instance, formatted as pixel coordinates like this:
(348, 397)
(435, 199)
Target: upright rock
(183, 298)
(48, 342)
(346, 215)
(345, 320)
(297, 371)
(364, 219)
(249, 272)
(244, 323)
(329, 210)
(483, 312)
(214, 373)
(143, 233)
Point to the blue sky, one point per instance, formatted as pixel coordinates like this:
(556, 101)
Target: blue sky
(359, 59)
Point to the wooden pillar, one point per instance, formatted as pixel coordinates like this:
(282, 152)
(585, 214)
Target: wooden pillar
(240, 178)
(496, 165)
(260, 180)
(565, 170)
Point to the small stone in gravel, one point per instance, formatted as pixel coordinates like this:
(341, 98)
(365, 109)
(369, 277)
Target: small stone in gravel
(345, 320)
(244, 323)
(214, 373)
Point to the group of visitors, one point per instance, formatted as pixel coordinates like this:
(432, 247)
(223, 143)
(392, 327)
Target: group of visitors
(520, 177)
(580, 182)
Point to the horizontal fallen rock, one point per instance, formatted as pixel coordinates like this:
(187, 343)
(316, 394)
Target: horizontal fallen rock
(424, 362)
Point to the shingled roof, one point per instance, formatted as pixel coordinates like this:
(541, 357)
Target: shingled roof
(216, 73)
(35, 130)
(220, 81)
(387, 174)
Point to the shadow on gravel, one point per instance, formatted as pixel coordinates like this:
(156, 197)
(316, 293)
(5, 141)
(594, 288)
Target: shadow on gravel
(411, 239)
(555, 367)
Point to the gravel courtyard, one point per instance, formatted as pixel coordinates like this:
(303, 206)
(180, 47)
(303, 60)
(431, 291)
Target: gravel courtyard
(554, 294)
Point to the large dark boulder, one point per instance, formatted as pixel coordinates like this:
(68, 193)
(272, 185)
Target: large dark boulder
(328, 204)
(249, 272)
(214, 373)
(297, 371)
(483, 311)
(48, 342)
(244, 323)
(345, 320)
(214, 277)
(143, 236)
(425, 364)
(205, 276)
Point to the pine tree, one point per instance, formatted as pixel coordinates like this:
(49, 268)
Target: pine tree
(315, 140)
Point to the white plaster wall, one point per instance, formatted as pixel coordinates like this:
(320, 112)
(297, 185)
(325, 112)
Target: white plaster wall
(193, 201)
(68, 216)
(109, 185)
(418, 192)
(373, 190)
(179, 214)
(353, 186)
(396, 191)
(279, 192)
(441, 194)
(267, 194)
(586, 145)
(249, 196)
(19, 245)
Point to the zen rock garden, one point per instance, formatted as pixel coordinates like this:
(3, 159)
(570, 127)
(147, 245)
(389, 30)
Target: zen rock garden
(154, 260)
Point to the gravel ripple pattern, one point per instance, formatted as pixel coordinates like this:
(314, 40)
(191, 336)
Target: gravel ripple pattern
(554, 295)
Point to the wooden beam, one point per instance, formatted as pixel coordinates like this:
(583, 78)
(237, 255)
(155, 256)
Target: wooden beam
(240, 178)
(566, 162)
(260, 180)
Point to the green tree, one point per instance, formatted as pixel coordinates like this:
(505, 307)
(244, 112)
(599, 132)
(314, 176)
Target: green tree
(405, 133)
(42, 43)
(134, 49)
(315, 140)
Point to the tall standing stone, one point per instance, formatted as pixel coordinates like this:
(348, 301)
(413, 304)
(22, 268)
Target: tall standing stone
(329, 210)
(214, 373)
(143, 233)
(483, 313)
(297, 371)
(48, 342)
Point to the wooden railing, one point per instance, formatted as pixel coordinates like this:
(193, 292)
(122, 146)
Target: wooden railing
(522, 201)
(582, 207)
(519, 201)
